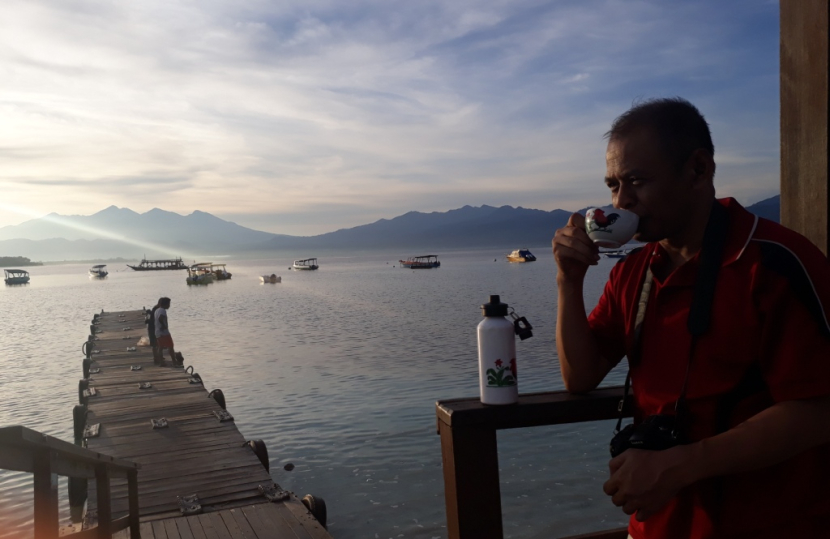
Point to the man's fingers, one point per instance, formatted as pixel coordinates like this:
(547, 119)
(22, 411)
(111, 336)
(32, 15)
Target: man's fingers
(566, 252)
(630, 508)
(615, 463)
(643, 514)
(577, 220)
(610, 487)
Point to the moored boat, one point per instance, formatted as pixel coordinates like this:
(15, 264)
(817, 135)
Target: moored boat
(16, 276)
(99, 271)
(421, 262)
(619, 253)
(305, 264)
(521, 255)
(157, 265)
(220, 272)
(273, 278)
(200, 274)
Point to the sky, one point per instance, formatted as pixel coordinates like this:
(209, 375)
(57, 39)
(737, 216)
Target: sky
(303, 117)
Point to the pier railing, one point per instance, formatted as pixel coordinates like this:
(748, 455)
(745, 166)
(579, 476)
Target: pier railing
(470, 457)
(25, 450)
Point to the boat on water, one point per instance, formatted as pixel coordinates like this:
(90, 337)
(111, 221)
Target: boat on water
(273, 278)
(220, 272)
(99, 271)
(305, 264)
(158, 265)
(200, 274)
(618, 253)
(421, 262)
(521, 255)
(16, 276)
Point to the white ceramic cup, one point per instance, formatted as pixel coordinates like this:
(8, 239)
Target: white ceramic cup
(611, 227)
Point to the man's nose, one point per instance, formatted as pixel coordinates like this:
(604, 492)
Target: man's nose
(625, 198)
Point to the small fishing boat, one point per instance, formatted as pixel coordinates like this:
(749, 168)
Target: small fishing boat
(305, 264)
(200, 274)
(273, 278)
(16, 276)
(99, 271)
(220, 272)
(421, 262)
(521, 255)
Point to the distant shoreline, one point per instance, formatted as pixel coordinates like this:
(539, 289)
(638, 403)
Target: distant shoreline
(17, 261)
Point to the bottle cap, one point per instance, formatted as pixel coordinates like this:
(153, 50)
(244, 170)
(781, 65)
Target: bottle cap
(494, 308)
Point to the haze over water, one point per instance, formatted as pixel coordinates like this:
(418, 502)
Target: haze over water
(338, 372)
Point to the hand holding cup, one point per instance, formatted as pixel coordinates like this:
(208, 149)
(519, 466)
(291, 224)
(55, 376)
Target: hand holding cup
(573, 250)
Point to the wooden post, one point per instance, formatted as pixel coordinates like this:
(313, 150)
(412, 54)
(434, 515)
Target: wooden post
(102, 482)
(132, 489)
(46, 503)
(471, 482)
(805, 103)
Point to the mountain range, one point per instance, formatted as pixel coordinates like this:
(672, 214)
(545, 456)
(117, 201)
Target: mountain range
(121, 232)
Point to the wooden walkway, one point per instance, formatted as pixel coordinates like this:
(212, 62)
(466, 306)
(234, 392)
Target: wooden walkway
(196, 454)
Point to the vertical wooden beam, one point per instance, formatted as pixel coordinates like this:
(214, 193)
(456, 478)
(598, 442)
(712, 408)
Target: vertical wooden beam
(805, 103)
(132, 490)
(102, 482)
(46, 502)
(471, 482)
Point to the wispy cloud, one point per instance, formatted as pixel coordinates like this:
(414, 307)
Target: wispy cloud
(285, 108)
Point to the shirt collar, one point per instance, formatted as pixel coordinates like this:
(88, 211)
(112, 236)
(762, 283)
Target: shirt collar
(742, 226)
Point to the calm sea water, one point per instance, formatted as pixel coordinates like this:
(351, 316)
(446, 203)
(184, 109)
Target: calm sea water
(338, 372)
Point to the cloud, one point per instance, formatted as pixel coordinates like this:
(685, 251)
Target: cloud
(258, 108)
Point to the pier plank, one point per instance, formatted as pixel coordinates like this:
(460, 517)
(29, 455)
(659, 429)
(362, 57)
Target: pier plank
(195, 454)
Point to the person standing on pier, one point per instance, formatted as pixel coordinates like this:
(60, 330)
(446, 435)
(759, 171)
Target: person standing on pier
(151, 331)
(163, 336)
(750, 395)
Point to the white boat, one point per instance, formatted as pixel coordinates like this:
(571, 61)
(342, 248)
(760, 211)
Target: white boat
(220, 272)
(200, 274)
(521, 255)
(99, 271)
(305, 264)
(273, 278)
(16, 276)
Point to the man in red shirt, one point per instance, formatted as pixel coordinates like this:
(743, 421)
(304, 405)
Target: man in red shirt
(757, 382)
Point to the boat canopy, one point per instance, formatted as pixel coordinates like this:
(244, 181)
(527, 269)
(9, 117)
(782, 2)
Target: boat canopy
(15, 272)
(99, 266)
(306, 262)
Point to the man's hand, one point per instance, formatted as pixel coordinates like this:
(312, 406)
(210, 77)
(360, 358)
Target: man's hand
(573, 250)
(644, 481)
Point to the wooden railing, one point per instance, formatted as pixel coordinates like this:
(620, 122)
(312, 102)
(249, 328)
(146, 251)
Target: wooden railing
(470, 457)
(25, 450)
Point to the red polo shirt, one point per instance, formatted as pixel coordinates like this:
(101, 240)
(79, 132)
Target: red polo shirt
(769, 341)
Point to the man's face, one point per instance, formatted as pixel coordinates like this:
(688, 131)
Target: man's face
(644, 180)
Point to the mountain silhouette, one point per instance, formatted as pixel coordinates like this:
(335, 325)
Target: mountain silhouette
(121, 232)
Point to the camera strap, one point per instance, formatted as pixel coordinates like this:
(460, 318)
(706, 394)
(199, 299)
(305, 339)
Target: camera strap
(700, 312)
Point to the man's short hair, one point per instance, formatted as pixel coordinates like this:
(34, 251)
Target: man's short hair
(164, 302)
(677, 123)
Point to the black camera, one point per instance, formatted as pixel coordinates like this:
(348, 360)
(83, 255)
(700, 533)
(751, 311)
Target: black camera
(655, 433)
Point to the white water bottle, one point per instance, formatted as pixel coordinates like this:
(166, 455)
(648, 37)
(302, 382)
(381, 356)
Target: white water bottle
(497, 355)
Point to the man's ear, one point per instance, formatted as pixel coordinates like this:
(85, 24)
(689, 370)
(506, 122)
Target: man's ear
(703, 165)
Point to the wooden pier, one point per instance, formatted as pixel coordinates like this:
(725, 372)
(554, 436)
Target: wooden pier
(186, 444)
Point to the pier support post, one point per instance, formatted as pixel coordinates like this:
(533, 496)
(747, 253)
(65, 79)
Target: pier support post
(471, 482)
(102, 482)
(805, 109)
(132, 492)
(46, 496)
